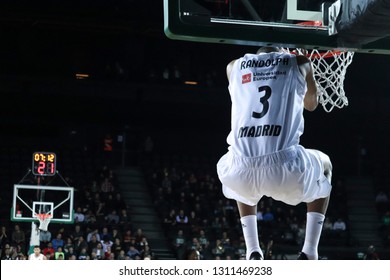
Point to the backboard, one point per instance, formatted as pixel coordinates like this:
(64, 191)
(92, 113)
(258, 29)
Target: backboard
(359, 26)
(29, 200)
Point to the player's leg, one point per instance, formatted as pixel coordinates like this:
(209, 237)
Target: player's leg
(234, 176)
(316, 211)
(249, 229)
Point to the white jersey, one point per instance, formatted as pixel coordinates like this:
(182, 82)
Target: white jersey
(267, 92)
(33, 257)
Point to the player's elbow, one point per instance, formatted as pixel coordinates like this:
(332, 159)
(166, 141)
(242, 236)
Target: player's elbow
(311, 103)
(311, 108)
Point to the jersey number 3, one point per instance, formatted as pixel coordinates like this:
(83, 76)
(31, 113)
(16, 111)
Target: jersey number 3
(264, 101)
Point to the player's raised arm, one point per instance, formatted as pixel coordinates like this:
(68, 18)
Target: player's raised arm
(311, 97)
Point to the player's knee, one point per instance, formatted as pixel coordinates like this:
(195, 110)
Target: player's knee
(327, 164)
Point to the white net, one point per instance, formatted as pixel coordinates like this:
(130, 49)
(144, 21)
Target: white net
(44, 220)
(330, 68)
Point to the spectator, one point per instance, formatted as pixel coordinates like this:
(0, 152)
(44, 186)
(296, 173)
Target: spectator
(133, 253)
(300, 233)
(80, 244)
(93, 232)
(59, 254)
(112, 218)
(116, 234)
(90, 217)
(166, 75)
(227, 243)
(384, 227)
(93, 256)
(139, 236)
(106, 243)
(218, 208)
(294, 223)
(142, 244)
(7, 252)
(117, 246)
(177, 75)
(194, 245)
(113, 178)
(194, 222)
(339, 225)
(147, 253)
(44, 237)
(21, 257)
(79, 216)
(106, 186)
(49, 251)
(109, 255)
(4, 238)
(103, 173)
(124, 220)
(203, 239)
(105, 234)
(58, 242)
(68, 245)
(18, 237)
(121, 255)
(127, 237)
(327, 224)
(166, 183)
(381, 202)
(108, 147)
(76, 233)
(94, 187)
(98, 251)
(241, 249)
(93, 242)
(100, 211)
(268, 216)
(386, 219)
(83, 255)
(169, 221)
(69, 253)
(182, 220)
(371, 253)
(216, 225)
(259, 215)
(179, 244)
(218, 250)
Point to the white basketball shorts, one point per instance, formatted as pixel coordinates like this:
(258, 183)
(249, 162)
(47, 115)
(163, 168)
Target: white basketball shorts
(292, 176)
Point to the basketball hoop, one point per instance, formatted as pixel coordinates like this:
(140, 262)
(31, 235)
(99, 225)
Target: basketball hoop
(330, 68)
(44, 220)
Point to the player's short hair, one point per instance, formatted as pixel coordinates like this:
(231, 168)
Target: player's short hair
(268, 49)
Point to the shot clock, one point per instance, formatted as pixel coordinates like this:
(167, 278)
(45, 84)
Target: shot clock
(44, 164)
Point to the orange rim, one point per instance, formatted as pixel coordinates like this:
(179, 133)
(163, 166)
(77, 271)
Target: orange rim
(310, 23)
(321, 54)
(43, 216)
(325, 54)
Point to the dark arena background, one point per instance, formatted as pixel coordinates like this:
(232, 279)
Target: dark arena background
(138, 122)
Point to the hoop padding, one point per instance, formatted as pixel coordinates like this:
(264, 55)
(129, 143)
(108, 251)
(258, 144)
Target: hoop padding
(330, 68)
(44, 221)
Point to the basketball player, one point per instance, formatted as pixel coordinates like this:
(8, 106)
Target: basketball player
(269, 91)
(37, 255)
